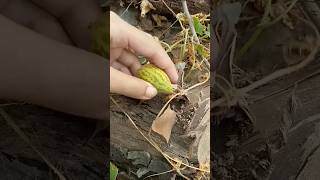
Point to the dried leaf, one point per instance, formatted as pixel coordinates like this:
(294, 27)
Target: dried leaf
(202, 101)
(202, 50)
(146, 24)
(159, 19)
(198, 125)
(181, 66)
(193, 96)
(176, 54)
(164, 124)
(204, 147)
(206, 118)
(145, 7)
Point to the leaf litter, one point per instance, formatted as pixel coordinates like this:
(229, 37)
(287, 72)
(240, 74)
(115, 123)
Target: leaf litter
(186, 106)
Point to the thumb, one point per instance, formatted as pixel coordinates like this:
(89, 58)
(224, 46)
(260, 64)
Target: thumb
(124, 84)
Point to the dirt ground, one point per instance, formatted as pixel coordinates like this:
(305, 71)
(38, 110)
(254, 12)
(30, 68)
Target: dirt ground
(277, 135)
(60, 138)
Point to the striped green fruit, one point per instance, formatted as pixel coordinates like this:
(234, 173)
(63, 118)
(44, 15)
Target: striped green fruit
(100, 36)
(157, 77)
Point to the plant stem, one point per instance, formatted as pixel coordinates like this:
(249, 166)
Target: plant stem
(186, 12)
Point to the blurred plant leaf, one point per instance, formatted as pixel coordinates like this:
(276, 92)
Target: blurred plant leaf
(199, 28)
(226, 16)
(113, 171)
(207, 32)
(201, 50)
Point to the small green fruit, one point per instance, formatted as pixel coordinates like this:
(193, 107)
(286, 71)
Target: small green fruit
(157, 77)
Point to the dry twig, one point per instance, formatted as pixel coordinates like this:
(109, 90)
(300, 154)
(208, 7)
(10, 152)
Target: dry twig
(186, 12)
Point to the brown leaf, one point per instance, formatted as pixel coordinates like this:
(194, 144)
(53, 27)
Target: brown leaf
(164, 124)
(201, 116)
(160, 20)
(145, 7)
(146, 24)
(176, 54)
(198, 128)
(201, 132)
(193, 96)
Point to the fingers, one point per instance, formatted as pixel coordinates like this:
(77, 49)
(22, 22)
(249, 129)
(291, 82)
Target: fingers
(130, 60)
(121, 83)
(76, 17)
(121, 67)
(145, 45)
(125, 58)
(27, 14)
(71, 80)
(125, 35)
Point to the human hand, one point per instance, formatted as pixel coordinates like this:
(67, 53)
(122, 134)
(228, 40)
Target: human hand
(126, 43)
(45, 58)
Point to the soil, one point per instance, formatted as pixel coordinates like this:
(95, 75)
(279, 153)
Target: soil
(194, 6)
(282, 139)
(125, 138)
(61, 138)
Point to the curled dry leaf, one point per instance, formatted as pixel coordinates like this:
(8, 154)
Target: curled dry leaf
(145, 7)
(164, 124)
(200, 129)
(201, 117)
(146, 24)
(160, 20)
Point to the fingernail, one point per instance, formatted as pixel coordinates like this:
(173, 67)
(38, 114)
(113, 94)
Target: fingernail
(150, 92)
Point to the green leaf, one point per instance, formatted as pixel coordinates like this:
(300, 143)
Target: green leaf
(199, 28)
(202, 51)
(113, 171)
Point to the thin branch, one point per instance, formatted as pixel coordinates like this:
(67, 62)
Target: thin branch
(158, 174)
(186, 12)
(193, 31)
(290, 69)
(126, 9)
(175, 15)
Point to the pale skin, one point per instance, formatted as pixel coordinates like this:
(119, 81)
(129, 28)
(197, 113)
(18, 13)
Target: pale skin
(126, 43)
(45, 57)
